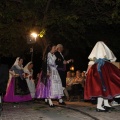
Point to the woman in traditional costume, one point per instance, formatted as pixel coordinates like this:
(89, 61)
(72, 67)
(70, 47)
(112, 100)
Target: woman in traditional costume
(49, 85)
(17, 90)
(103, 78)
(29, 78)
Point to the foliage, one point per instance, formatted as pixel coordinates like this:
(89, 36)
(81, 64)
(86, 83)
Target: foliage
(65, 21)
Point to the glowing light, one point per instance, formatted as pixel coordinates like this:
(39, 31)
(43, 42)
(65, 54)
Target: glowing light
(34, 35)
(72, 68)
(41, 35)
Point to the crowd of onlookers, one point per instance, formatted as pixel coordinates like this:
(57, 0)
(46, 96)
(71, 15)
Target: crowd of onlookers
(75, 85)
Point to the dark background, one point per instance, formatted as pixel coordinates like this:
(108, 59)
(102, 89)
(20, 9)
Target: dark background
(77, 24)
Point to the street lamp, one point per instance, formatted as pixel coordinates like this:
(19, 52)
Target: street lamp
(34, 35)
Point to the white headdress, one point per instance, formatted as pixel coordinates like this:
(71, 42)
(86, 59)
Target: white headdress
(26, 67)
(16, 63)
(100, 50)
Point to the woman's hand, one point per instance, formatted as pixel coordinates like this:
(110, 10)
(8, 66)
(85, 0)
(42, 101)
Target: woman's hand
(16, 75)
(26, 74)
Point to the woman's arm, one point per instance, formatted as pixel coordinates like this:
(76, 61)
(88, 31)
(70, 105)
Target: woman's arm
(89, 66)
(13, 73)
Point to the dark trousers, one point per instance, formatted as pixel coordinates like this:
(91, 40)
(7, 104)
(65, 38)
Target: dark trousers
(63, 77)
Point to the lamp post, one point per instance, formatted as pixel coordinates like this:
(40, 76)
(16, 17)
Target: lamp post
(33, 35)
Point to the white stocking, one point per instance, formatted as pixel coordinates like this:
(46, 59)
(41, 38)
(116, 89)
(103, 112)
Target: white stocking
(106, 103)
(60, 100)
(46, 100)
(50, 102)
(99, 103)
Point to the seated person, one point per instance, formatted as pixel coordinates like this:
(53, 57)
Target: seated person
(69, 80)
(68, 84)
(83, 74)
(78, 78)
(77, 85)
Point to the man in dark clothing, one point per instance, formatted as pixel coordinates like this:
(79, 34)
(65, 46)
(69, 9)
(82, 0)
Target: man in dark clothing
(61, 66)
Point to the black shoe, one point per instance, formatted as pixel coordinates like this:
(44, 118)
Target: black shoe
(46, 103)
(109, 108)
(63, 103)
(51, 105)
(99, 110)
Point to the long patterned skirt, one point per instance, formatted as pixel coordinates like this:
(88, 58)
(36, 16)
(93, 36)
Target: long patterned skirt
(17, 91)
(110, 77)
(52, 89)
